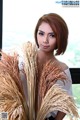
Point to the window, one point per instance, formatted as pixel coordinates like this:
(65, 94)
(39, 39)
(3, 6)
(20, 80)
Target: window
(20, 17)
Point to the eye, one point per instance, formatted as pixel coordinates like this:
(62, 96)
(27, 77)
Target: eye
(52, 35)
(41, 33)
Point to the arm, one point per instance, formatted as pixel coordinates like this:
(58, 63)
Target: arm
(68, 88)
(68, 83)
(23, 80)
(60, 116)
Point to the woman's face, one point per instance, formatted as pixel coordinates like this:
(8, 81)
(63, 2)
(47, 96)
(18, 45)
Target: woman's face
(46, 38)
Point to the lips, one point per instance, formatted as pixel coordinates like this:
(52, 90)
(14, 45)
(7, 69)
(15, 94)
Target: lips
(45, 46)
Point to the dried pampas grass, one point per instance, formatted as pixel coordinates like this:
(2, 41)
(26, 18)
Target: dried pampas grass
(55, 98)
(29, 52)
(12, 98)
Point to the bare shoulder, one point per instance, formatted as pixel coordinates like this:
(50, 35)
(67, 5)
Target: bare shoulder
(63, 65)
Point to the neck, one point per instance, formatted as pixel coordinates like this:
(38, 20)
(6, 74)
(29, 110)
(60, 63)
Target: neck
(45, 56)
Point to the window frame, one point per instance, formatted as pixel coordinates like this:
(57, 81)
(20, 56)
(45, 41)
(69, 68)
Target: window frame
(1, 7)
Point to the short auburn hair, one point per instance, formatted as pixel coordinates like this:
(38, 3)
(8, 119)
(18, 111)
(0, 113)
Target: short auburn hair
(59, 27)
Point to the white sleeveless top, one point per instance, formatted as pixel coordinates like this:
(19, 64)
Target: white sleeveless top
(67, 86)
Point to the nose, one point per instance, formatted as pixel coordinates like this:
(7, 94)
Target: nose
(45, 40)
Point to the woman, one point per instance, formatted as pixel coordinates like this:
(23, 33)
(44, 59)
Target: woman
(51, 36)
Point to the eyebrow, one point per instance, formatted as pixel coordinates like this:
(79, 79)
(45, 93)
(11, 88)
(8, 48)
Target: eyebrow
(44, 32)
(41, 31)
